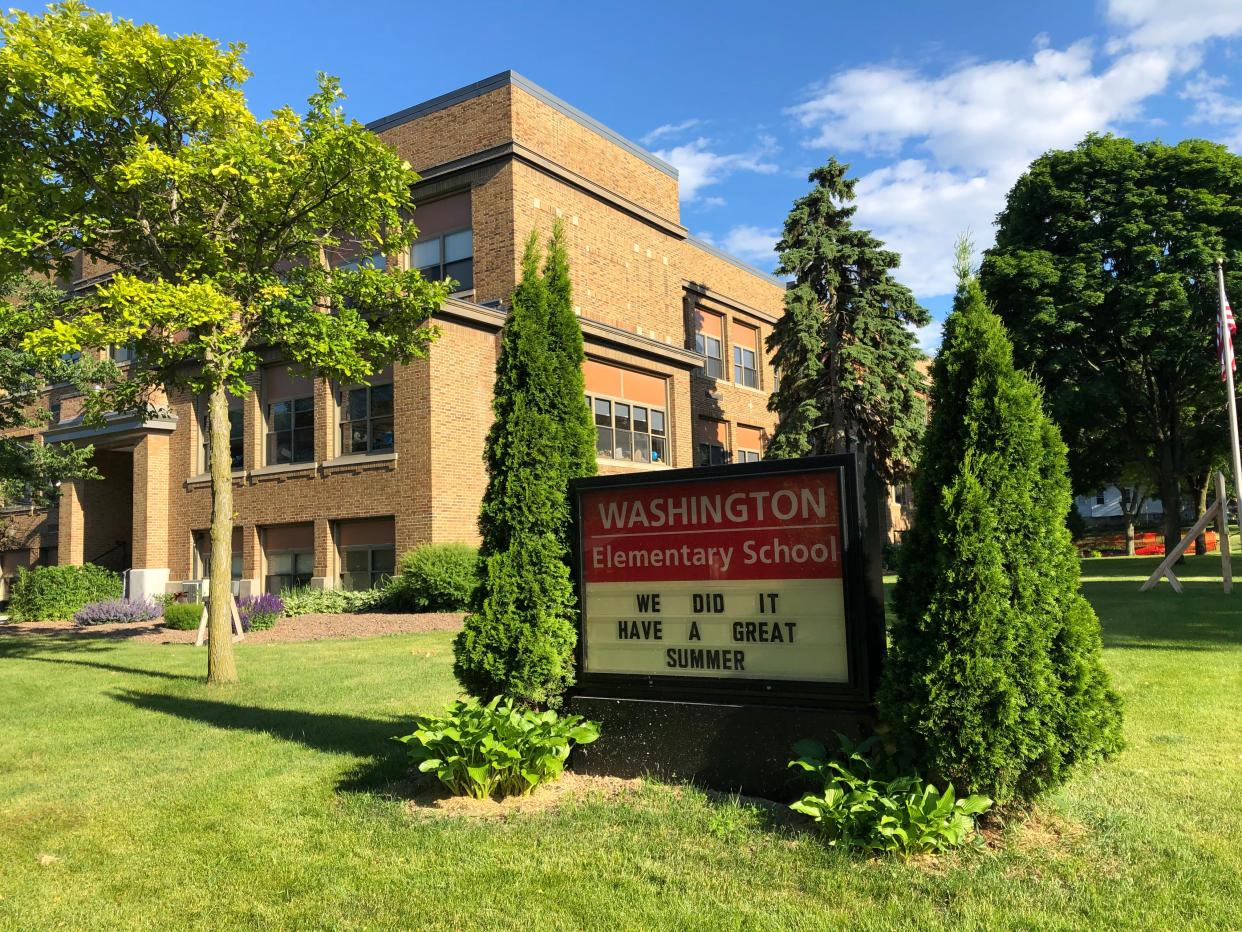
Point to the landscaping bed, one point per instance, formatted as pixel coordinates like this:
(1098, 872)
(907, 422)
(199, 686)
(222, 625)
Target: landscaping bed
(314, 627)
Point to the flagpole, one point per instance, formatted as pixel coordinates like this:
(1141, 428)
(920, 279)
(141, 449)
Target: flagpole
(1227, 365)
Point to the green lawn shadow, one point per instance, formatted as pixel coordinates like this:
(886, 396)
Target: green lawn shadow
(47, 648)
(384, 766)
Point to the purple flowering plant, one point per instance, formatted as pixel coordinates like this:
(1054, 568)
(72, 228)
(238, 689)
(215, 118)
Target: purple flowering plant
(259, 612)
(116, 611)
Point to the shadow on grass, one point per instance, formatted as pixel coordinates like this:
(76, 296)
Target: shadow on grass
(39, 648)
(384, 768)
(1202, 618)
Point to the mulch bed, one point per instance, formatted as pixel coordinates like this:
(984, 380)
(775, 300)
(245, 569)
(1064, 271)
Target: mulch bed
(301, 628)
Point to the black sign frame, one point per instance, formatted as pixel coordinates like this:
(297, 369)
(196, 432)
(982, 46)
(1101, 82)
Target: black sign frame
(861, 634)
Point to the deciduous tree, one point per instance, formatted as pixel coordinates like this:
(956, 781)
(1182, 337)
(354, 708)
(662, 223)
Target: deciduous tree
(137, 149)
(1103, 273)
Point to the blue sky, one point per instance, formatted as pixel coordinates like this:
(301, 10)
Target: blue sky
(937, 106)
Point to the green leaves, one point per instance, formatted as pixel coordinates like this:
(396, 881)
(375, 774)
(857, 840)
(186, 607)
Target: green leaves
(496, 750)
(843, 347)
(903, 815)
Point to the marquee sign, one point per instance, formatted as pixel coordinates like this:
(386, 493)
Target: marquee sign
(738, 582)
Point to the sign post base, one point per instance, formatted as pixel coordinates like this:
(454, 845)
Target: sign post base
(730, 748)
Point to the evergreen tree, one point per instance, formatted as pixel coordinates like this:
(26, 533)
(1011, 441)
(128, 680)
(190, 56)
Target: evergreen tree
(993, 679)
(519, 637)
(844, 347)
(565, 344)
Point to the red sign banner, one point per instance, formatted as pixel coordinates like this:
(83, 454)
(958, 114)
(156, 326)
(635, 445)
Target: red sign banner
(759, 527)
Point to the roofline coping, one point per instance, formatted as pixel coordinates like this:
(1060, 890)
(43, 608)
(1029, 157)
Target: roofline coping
(734, 260)
(510, 77)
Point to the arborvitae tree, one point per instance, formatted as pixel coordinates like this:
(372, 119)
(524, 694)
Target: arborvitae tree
(565, 343)
(993, 678)
(844, 347)
(519, 637)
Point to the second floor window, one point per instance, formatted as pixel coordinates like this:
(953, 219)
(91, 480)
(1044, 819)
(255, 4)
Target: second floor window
(291, 431)
(709, 342)
(367, 419)
(745, 355)
(447, 256)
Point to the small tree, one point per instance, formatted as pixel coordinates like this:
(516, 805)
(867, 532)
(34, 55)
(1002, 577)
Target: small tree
(519, 637)
(993, 680)
(844, 347)
(137, 149)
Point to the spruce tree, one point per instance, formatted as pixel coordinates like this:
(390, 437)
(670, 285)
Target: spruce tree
(518, 639)
(844, 348)
(993, 678)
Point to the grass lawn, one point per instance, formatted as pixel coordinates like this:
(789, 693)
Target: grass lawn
(131, 796)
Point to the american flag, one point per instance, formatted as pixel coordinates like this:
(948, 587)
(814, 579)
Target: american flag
(1224, 341)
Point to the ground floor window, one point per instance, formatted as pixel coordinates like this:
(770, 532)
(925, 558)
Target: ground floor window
(367, 567)
(749, 444)
(289, 570)
(368, 552)
(711, 443)
(202, 556)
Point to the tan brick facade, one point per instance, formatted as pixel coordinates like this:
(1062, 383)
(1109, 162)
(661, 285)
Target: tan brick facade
(526, 160)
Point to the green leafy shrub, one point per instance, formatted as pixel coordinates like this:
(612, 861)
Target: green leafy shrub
(182, 616)
(305, 600)
(496, 750)
(519, 637)
(436, 578)
(993, 681)
(903, 814)
(56, 593)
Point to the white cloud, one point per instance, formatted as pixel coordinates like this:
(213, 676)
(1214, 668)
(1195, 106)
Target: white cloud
(1216, 109)
(709, 202)
(929, 337)
(960, 138)
(1169, 24)
(698, 166)
(754, 244)
(670, 129)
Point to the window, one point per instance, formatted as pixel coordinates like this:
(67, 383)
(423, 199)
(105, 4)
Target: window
(748, 441)
(711, 444)
(237, 437)
(290, 417)
(289, 569)
(53, 410)
(377, 261)
(745, 354)
(367, 551)
(367, 567)
(202, 557)
(367, 419)
(709, 341)
(625, 431)
(445, 257)
(121, 354)
(1099, 497)
(289, 551)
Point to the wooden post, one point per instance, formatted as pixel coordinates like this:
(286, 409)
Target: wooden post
(238, 633)
(1166, 567)
(1222, 533)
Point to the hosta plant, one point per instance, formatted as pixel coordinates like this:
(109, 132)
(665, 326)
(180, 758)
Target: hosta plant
(496, 750)
(904, 815)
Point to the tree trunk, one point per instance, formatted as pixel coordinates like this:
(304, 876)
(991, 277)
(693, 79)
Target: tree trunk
(1129, 533)
(220, 666)
(1200, 507)
(1170, 499)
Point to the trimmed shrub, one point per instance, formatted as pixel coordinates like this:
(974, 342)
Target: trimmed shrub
(117, 611)
(436, 578)
(259, 612)
(519, 637)
(496, 750)
(993, 679)
(182, 616)
(54, 593)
